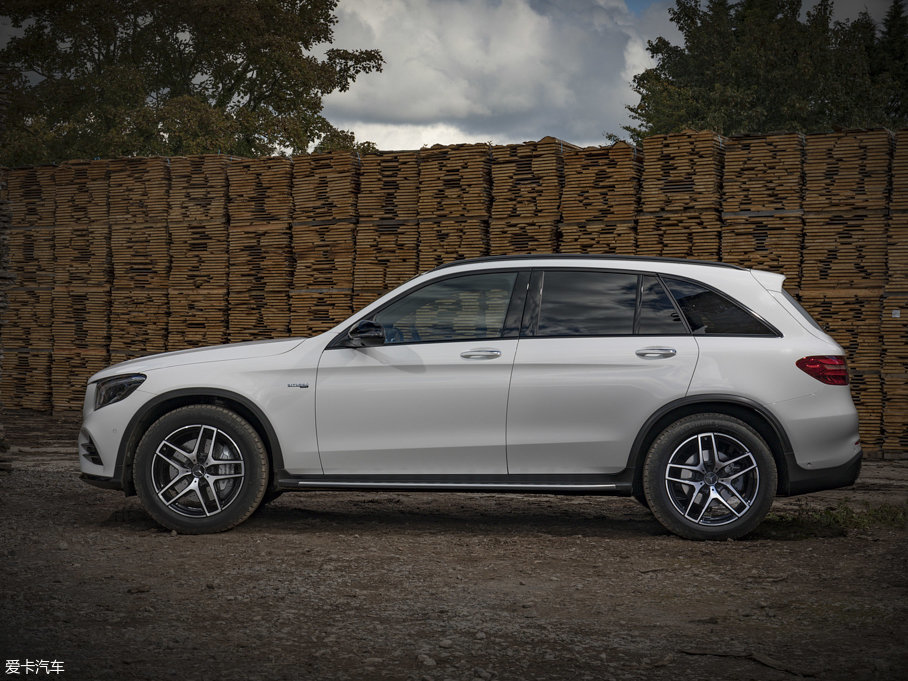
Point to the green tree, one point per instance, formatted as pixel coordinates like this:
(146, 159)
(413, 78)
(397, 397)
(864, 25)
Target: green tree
(89, 78)
(891, 62)
(753, 67)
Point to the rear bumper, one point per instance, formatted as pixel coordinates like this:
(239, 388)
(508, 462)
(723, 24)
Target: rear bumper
(803, 481)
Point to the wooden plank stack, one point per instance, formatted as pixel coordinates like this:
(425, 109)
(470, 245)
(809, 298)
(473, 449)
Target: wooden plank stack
(261, 263)
(526, 196)
(323, 228)
(844, 254)
(81, 294)
(681, 196)
(599, 200)
(138, 207)
(387, 234)
(762, 213)
(197, 223)
(454, 198)
(895, 309)
(26, 336)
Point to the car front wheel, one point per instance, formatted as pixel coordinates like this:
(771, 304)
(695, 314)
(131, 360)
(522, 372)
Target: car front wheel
(709, 476)
(200, 469)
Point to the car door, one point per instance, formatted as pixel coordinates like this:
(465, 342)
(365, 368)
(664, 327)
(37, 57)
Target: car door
(431, 400)
(600, 352)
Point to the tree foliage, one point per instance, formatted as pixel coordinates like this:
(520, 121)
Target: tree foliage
(88, 78)
(754, 66)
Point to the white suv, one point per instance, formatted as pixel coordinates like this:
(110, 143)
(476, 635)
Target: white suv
(702, 389)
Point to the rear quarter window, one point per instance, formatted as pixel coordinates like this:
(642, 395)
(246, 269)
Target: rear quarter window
(712, 314)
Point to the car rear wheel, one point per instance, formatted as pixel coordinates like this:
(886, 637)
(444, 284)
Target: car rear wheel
(709, 476)
(200, 469)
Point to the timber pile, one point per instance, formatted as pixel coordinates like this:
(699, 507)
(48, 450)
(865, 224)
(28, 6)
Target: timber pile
(138, 206)
(454, 199)
(599, 200)
(762, 192)
(681, 196)
(323, 230)
(847, 170)
(387, 234)
(526, 196)
(81, 294)
(26, 336)
(197, 224)
(261, 262)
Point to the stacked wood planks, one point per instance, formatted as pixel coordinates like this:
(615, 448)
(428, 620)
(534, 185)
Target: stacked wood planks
(261, 262)
(387, 234)
(197, 223)
(26, 336)
(82, 265)
(526, 196)
(894, 327)
(599, 200)
(762, 213)
(844, 255)
(681, 196)
(141, 256)
(454, 199)
(325, 187)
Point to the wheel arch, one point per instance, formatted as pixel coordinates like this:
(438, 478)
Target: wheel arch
(155, 408)
(746, 410)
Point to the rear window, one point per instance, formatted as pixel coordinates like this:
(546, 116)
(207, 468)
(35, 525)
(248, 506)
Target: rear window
(712, 314)
(576, 303)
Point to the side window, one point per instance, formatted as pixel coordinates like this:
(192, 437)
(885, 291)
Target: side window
(460, 308)
(709, 313)
(657, 314)
(578, 303)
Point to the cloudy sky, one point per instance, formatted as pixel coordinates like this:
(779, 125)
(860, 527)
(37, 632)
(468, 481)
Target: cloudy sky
(502, 70)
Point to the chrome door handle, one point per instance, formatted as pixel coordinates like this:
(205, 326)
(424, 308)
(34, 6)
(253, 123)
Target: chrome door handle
(656, 353)
(481, 353)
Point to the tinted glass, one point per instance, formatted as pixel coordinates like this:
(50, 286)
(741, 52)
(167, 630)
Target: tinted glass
(587, 304)
(657, 313)
(709, 313)
(461, 308)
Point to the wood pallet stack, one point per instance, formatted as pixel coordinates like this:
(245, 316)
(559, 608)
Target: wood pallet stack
(82, 265)
(761, 202)
(140, 250)
(26, 336)
(526, 196)
(599, 201)
(387, 234)
(197, 223)
(323, 240)
(261, 264)
(454, 198)
(895, 309)
(681, 196)
(843, 274)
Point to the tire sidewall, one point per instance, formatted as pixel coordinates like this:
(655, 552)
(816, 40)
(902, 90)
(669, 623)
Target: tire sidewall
(661, 451)
(255, 467)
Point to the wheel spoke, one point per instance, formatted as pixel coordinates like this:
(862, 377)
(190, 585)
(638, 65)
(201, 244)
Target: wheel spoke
(721, 500)
(191, 487)
(735, 492)
(214, 495)
(709, 451)
(176, 464)
(177, 478)
(740, 473)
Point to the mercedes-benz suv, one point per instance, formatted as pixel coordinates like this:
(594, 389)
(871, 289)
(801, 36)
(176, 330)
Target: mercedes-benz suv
(702, 389)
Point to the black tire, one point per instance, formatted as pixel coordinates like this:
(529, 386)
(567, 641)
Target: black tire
(181, 480)
(709, 476)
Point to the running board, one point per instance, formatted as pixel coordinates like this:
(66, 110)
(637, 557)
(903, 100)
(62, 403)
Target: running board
(616, 488)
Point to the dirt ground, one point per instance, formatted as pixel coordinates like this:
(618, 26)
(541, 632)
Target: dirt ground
(336, 585)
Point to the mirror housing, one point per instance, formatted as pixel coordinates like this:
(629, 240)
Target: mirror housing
(366, 333)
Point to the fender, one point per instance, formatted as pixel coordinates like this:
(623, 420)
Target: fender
(160, 404)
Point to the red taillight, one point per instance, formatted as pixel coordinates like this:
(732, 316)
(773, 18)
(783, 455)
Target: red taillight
(829, 369)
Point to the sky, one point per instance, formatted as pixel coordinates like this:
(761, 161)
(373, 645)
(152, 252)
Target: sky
(503, 71)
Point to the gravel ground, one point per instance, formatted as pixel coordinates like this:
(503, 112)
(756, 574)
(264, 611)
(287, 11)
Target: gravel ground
(336, 585)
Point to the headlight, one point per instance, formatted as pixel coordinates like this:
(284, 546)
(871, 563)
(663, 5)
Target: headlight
(114, 389)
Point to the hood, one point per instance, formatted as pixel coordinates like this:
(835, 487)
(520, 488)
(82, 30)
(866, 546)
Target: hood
(214, 353)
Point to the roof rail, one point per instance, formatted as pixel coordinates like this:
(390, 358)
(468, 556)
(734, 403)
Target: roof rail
(575, 256)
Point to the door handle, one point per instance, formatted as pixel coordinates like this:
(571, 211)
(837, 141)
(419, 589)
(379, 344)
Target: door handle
(481, 353)
(656, 353)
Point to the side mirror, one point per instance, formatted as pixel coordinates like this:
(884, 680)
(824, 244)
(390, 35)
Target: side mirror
(366, 333)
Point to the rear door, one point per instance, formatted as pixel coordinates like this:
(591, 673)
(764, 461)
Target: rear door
(599, 353)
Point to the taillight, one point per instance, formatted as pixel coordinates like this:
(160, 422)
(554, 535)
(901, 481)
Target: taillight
(829, 369)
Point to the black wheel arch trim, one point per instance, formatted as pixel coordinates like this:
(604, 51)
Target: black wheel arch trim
(152, 410)
(766, 423)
